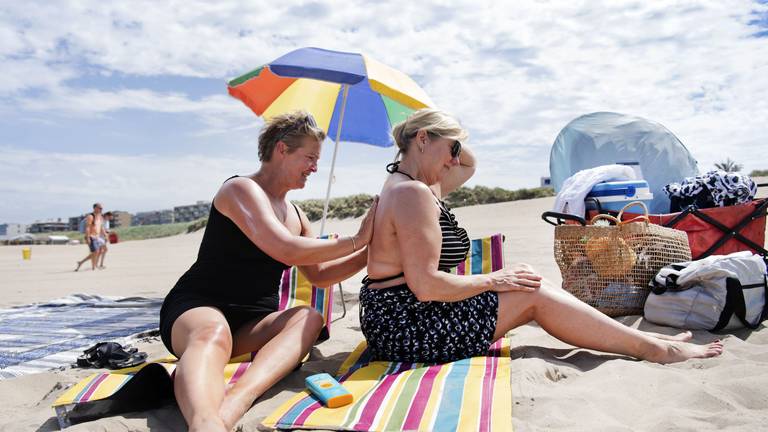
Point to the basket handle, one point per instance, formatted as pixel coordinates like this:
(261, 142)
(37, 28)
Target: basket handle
(632, 204)
(606, 217)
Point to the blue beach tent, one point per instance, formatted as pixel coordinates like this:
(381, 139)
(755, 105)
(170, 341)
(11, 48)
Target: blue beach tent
(604, 138)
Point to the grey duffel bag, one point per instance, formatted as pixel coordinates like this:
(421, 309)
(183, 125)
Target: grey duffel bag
(715, 293)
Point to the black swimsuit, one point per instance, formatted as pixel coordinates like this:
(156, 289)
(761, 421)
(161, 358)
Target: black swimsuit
(398, 327)
(231, 274)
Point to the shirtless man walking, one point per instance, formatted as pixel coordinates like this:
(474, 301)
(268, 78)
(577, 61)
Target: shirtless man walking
(94, 224)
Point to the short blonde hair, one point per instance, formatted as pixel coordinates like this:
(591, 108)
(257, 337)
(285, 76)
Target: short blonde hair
(433, 121)
(289, 128)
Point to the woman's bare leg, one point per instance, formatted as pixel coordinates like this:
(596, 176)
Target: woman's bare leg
(202, 340)
(574, 322)
(282, 339)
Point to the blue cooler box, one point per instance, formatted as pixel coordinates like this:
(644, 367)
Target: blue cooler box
(615, 195)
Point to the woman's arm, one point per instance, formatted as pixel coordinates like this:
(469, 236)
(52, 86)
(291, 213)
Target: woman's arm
(420, 239)
(331, 272)
(246, 204)
(459, 174)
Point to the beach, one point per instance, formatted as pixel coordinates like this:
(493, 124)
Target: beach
(554, 386)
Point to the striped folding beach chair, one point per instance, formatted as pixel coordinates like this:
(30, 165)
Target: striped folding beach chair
(139, 388)
(296, 290)
(485, 255)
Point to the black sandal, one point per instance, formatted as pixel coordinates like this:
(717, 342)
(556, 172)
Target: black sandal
(111, 355)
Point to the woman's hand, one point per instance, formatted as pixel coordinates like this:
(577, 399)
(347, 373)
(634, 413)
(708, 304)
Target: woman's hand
(364, 234)
(514, 280)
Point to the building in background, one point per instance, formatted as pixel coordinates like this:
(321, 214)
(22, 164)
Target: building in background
(546, 182)
(11, 230)
(48, 226)
(74, 223)
(121, 219)
(157, 217)
(191, 212)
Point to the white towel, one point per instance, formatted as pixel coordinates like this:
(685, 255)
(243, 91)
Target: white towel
(575, 189)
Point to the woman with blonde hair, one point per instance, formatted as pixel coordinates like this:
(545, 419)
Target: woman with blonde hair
(414, 310)
(226, 303)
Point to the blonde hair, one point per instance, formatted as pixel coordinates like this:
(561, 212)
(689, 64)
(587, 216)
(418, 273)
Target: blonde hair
(433, 121)
(289, 128)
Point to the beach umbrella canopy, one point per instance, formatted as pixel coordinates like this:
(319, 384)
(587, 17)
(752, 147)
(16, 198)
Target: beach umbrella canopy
(353, 97)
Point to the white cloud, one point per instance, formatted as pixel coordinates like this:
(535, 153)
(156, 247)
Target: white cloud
(515, 74)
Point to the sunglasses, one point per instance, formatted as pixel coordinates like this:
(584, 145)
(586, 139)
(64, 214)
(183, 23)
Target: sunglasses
(308, 120)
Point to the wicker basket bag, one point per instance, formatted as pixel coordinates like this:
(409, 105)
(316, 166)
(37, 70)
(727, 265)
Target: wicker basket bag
(609, 266)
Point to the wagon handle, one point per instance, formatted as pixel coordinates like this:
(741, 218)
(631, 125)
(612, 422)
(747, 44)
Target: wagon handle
(561, 217)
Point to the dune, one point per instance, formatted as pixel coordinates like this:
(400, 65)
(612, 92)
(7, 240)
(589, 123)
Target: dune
(554, 386)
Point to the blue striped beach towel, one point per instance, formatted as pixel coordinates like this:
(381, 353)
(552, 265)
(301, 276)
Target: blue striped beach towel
(39, 337)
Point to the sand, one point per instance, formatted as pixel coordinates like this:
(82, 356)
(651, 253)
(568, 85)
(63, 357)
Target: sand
(554, 386)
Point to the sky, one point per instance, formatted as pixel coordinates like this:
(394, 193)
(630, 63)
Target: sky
(126, 102)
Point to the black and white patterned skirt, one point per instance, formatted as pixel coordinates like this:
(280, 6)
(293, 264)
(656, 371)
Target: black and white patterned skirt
(398, 327)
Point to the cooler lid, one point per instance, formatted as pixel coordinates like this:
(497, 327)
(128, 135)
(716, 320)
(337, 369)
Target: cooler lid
(626, 188)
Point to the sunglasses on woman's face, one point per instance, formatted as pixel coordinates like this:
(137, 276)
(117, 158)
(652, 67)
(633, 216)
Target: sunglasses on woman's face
(456, 149)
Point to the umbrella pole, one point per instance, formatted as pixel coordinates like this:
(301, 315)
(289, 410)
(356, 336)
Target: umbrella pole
(333, 161)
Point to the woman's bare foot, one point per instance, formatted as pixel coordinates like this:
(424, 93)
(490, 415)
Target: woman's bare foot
(78, 266)
(673, 352)
(233, 408)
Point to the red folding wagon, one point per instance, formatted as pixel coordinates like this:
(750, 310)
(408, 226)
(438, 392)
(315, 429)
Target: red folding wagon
(717, 230)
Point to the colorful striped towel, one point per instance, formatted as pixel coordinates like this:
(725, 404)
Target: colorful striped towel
(133, 389)
(472, 394)
(43, 336)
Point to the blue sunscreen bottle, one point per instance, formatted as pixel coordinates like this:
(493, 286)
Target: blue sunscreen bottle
(328, 390)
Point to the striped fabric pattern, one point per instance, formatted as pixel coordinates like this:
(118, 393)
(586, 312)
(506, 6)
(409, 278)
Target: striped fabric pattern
(104, 384)
(455, 239)
(84, 397)
(485, 255)
(39, 337)
(470, 394)
(296, 290)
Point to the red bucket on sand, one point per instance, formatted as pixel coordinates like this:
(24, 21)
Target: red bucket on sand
(113, 237)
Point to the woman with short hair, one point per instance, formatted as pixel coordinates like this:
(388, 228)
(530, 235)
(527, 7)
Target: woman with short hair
(226, 304)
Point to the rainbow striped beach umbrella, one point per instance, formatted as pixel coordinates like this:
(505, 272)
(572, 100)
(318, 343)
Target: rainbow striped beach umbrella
(353, 97)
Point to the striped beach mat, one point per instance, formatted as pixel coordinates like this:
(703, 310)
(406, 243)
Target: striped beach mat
(471, 394)
(139, 388)
(40, 337)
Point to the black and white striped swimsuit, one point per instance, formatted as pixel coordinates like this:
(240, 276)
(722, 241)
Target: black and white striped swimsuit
(398, 327)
